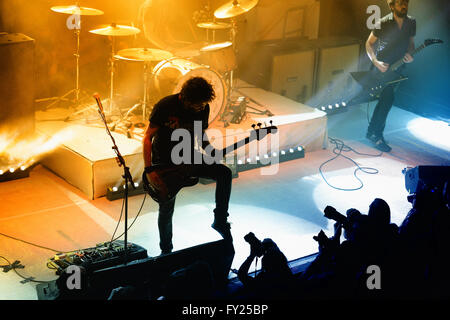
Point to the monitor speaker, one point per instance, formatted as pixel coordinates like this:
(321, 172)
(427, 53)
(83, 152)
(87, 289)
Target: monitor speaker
(17, 85)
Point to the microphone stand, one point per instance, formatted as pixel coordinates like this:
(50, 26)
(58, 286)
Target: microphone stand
(126, 173)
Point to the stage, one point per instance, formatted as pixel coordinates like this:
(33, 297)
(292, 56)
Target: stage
(86, 160)
(47, 210)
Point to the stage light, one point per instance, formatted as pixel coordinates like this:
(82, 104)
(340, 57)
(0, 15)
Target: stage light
(266, 156)
(249, 160)
(337, 105)
(283, 152)
(330, 107)
(14, 173)
(239, 161)
(257, 158)
(291, 150)
(115, 193)
(323, 108)
(344, 104)
(274, 154)
(299, 148)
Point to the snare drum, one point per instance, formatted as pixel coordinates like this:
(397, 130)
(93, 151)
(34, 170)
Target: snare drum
(170, 75)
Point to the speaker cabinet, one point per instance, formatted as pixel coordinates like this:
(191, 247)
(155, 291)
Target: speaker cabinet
(17, 84)
(433, 176)
(154, 272)
(293, 75)
(333, 80)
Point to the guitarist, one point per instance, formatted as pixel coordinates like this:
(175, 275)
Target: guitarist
(395, 41)
(179, 111)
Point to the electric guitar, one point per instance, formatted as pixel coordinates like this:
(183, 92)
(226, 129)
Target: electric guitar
(374, 81)
(170, 179)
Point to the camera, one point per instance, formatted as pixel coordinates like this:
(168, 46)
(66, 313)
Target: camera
(333, 214)
(255, 244)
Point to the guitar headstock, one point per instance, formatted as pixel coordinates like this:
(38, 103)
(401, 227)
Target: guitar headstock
(429, 42)
(262, 132)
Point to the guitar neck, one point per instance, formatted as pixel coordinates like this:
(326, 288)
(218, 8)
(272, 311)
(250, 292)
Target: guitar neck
(236, 145)
(400, 62)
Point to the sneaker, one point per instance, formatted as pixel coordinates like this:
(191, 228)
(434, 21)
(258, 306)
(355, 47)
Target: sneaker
(379, 142)
(224, 229)
(374, 138)
(370, 136)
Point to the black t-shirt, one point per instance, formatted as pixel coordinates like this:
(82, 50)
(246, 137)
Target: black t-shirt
(170, 114)
(393, 42)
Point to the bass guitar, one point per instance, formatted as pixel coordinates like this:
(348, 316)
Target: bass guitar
(165, 181)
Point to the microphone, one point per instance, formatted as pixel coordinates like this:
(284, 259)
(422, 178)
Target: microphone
(99, 102)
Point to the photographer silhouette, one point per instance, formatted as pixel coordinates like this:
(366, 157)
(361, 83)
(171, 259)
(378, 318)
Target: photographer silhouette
(275, 275)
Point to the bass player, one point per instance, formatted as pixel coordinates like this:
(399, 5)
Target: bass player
(180, 111)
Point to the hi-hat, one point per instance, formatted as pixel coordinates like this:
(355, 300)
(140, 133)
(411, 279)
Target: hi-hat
(235, 8)
(143, 54)
(214, 25)
(74, 9)
(116, 30)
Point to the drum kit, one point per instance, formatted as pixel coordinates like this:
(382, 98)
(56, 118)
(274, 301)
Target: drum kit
(164, 72)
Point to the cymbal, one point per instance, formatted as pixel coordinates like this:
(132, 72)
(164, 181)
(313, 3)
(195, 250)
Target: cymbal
(235, 8)
(214, 25)
(73, 9)
(190, 51)
(143, 54)
(116, 30)
(216, 46)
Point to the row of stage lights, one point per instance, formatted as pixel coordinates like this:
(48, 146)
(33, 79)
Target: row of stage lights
(274, 155)
(16, 172)
(12, 170)
(333, 108)
(116, 192)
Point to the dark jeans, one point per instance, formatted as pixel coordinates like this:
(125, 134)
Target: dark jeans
(379, 116)
(218, 172)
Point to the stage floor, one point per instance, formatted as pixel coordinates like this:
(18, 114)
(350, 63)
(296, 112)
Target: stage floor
(287, 207)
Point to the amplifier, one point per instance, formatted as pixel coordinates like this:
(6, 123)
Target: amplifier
(17, 84)
(293, 74)
(333, 80)
(433, 176)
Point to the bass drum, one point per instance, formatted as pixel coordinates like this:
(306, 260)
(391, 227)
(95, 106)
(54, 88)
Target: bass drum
(170, 75)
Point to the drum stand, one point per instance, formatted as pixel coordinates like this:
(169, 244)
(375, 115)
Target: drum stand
(267, 112)
(111, 96)
(143, 104)
(77, 90)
